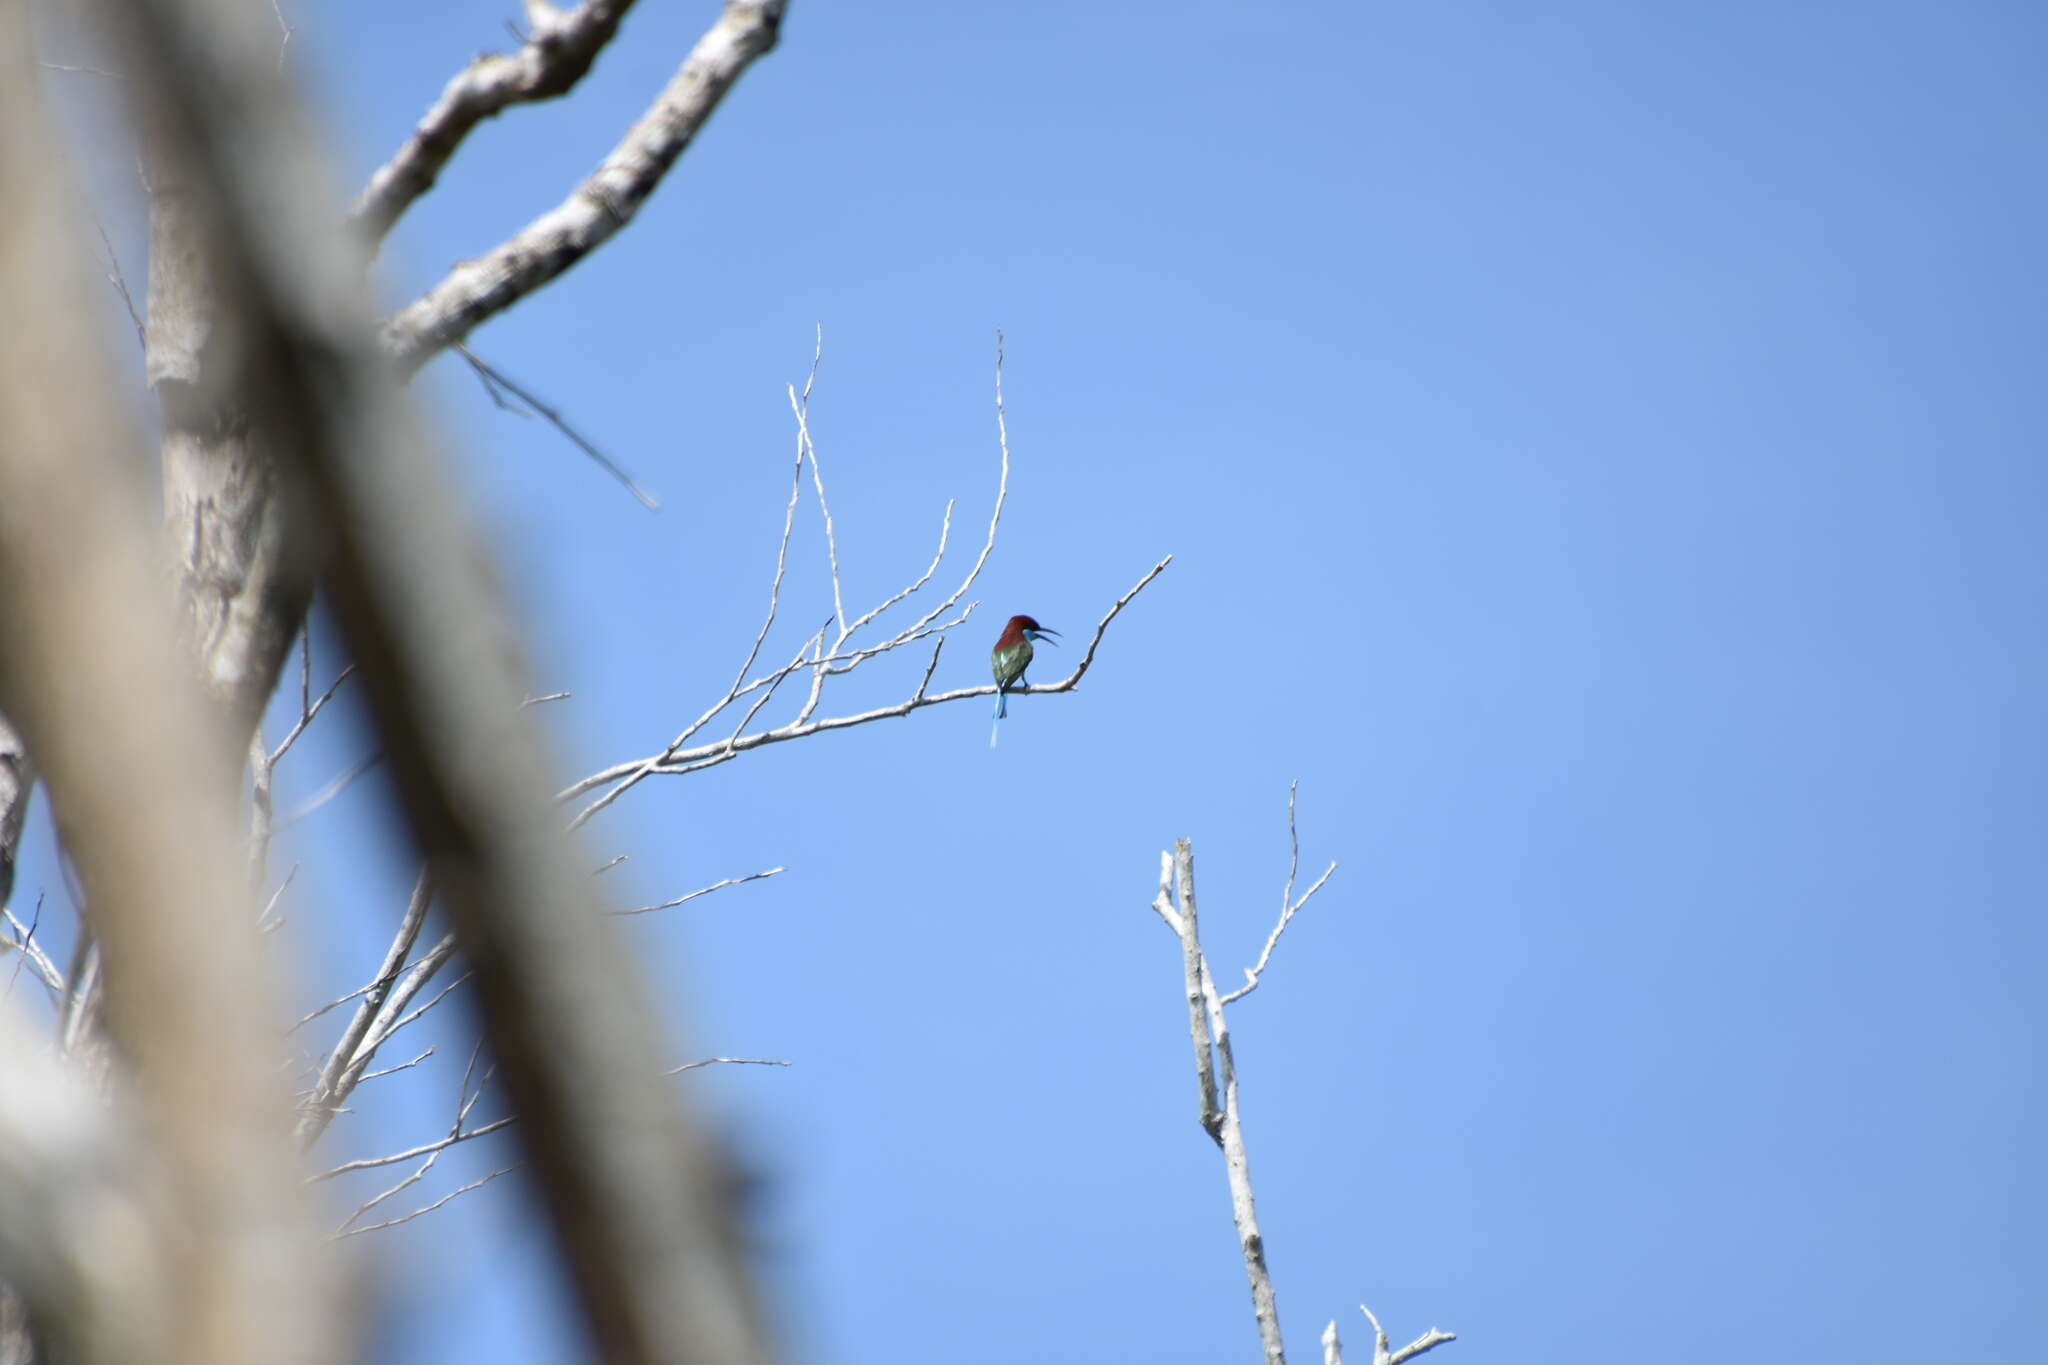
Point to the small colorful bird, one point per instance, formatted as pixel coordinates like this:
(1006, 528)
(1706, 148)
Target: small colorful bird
(1009, 659)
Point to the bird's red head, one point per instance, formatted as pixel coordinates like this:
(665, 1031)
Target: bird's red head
(1024, 628)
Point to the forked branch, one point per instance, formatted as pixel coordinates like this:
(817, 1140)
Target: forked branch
(556, 54)
(1216, 1085)
(605, 202)
(823, 661)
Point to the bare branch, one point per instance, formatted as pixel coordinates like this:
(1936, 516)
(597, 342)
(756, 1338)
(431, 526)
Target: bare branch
(384, 1034)
(796, 488)
(369, 1076)
(705, 891)
(556, 56)
(24, 942)
(334, 786)
(333, 1085)
(803, 431)
(929, 669)
(1428, 1341)
(284, 29)
(995, 516)
(729, 1061)
(80, 70)
(465, 1100)
(481, 288)
(309, 705)
(679, 760)
(496, 380)
(1211, 1030)
(629, 779)
(411, 1178)
(270, 919)
(841, 658)
(1288, 905)
(119, 280)
(460, 1134)
(478, 1183)
(1209, 1026)
(945, 532)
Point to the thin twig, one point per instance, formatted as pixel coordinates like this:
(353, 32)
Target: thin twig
(285, 29)
(1288, 905)
(930, 668)
(945, 532)
(495, 379)
(334, 787)
(309, 706)
(733, 1061)
(459, 1190)
(334, 1004)
(424, 1149)
(115, 276)
(803, 430)
(796, 488)
(82, 70)
(269, 919)
(439, 996)
(705, 891)
(995, 515)
(465, 1100)
(402, 1066)
(30, 951)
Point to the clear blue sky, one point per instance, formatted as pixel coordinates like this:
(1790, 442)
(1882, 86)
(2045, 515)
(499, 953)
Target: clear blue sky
(1602, 447)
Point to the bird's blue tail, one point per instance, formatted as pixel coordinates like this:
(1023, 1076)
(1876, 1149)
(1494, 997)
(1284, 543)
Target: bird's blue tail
(1002, 709)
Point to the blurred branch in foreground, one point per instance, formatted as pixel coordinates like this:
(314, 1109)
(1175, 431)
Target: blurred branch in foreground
(222, 1264)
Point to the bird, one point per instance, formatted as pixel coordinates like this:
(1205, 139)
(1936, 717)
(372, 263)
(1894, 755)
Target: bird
(1009, 659)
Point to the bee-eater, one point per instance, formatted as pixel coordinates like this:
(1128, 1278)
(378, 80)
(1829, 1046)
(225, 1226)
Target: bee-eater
(1009, 659)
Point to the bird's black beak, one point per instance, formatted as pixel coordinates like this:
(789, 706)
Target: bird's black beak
(1043, 633)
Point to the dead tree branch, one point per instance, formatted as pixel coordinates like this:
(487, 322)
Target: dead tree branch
(559, 49)
(1216, 1085)
(604, 203)
(1216, 1073)
(843, 655)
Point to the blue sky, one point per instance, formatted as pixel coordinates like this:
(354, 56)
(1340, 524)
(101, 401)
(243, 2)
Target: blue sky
(1601, 447)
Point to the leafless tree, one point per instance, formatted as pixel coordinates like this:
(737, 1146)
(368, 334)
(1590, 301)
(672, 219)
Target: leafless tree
(153, 1170)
